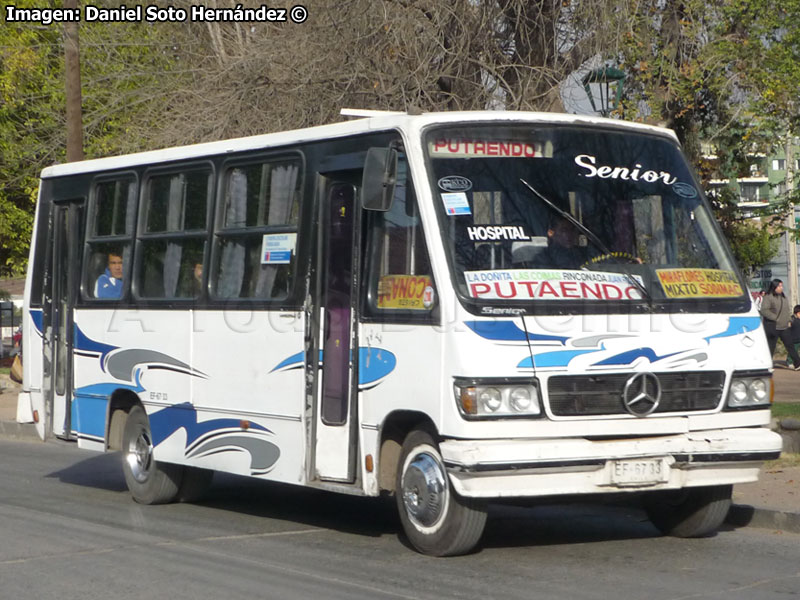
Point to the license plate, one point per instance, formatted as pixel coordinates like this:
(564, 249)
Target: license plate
(638, 472)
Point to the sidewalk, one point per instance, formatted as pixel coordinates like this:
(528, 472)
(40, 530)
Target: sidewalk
(9, 427)
(773, 502)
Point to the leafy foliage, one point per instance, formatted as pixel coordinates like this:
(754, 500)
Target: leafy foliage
(753, 245)
(30, 114)
(726, 71)
(121, 64)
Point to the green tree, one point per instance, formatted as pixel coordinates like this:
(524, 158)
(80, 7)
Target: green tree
(123, 68)
(31, 114)
(725, 72)
(753, 245)
(762, 39)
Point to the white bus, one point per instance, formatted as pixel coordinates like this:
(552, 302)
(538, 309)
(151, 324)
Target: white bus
(451, 308)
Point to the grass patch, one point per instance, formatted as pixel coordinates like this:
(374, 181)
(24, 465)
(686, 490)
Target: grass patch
(786, 409)
(5, 370)
(786, 460)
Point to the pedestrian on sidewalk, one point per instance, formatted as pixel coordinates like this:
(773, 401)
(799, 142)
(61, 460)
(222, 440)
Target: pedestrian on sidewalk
(778, 320)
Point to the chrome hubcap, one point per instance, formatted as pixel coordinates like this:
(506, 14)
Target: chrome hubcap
(140, 456)
(424, 490)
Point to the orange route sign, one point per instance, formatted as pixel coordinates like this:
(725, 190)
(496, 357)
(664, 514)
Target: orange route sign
(699, 283)
(409, 292)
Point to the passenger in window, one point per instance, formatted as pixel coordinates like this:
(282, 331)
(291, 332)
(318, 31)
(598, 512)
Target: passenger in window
(191, 285)
(109, 284)
(196, 285)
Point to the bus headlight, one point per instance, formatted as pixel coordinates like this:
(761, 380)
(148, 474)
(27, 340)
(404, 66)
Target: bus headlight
(520, 399)
(750, 390)
(497, 398)
(490, 399)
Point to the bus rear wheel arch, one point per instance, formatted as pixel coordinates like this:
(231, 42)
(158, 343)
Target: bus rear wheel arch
(436, 520)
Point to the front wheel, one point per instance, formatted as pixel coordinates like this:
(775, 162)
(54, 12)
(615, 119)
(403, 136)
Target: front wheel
(692, 512)
(436, 520)
(149, 482)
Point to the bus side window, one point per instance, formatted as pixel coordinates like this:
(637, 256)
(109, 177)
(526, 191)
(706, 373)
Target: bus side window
(400, 285)
(174, 231)
(256, 237)
(108, 251)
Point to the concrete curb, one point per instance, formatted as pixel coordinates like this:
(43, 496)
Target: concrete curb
(743, 515)
(18, 431)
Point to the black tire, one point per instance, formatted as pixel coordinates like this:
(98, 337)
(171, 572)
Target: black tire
(194, 484)
(149, 482)
(436, 520)
(692, 512)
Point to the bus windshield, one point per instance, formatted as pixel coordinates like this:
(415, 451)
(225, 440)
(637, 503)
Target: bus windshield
(565, 214)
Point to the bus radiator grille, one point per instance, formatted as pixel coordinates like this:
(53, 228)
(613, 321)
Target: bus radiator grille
(591, 395)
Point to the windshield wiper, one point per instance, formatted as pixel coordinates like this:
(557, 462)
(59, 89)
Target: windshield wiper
(594, 239)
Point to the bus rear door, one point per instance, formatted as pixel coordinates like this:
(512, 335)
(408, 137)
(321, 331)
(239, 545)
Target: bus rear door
(61, 284)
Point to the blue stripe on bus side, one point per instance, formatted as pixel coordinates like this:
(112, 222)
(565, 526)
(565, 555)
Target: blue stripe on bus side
(89, 415)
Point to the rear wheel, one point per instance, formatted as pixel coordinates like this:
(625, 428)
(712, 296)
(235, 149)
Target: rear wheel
(149, 482)
(692, 512)
(436, 520)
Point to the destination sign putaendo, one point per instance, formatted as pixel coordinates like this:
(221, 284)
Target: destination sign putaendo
(153, 13)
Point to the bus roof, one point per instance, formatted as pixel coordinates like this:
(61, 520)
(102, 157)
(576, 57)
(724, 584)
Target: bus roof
(380, 122)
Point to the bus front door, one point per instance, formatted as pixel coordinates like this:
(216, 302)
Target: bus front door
(335, 414)
(61, 284)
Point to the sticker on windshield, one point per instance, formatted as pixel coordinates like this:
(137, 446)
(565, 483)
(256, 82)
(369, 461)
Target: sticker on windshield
(540, 284)
(456, 148)
(455, 204)
(497, 232)
(685, 190)
(699, 283)
(455, 183)
(277, 248)
(409, 292)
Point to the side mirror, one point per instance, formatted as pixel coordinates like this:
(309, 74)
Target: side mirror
(378, 181)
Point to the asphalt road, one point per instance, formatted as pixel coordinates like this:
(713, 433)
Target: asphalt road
(69, 529)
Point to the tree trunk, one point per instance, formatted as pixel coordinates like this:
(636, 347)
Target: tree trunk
(72, 69)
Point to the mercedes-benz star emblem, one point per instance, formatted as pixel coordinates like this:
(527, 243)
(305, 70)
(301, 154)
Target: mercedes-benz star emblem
(642, 394)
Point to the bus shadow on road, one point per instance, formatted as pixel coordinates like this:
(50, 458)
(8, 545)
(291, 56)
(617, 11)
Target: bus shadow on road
(302, 505)
(509, 524)
(101, 471)
(569, 523)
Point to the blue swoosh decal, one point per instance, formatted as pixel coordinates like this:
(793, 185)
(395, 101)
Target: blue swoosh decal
(86, 344)
(104, 390)
(37, 316)
(506, 331)
(560, 358)
(628, 357)
(295, 360)
(165, 422)
(373, 363)
(737, 326)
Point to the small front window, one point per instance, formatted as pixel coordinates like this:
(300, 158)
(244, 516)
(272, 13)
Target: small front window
(400, 279)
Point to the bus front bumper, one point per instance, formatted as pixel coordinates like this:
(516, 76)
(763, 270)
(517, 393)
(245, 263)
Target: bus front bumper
(552, 467)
